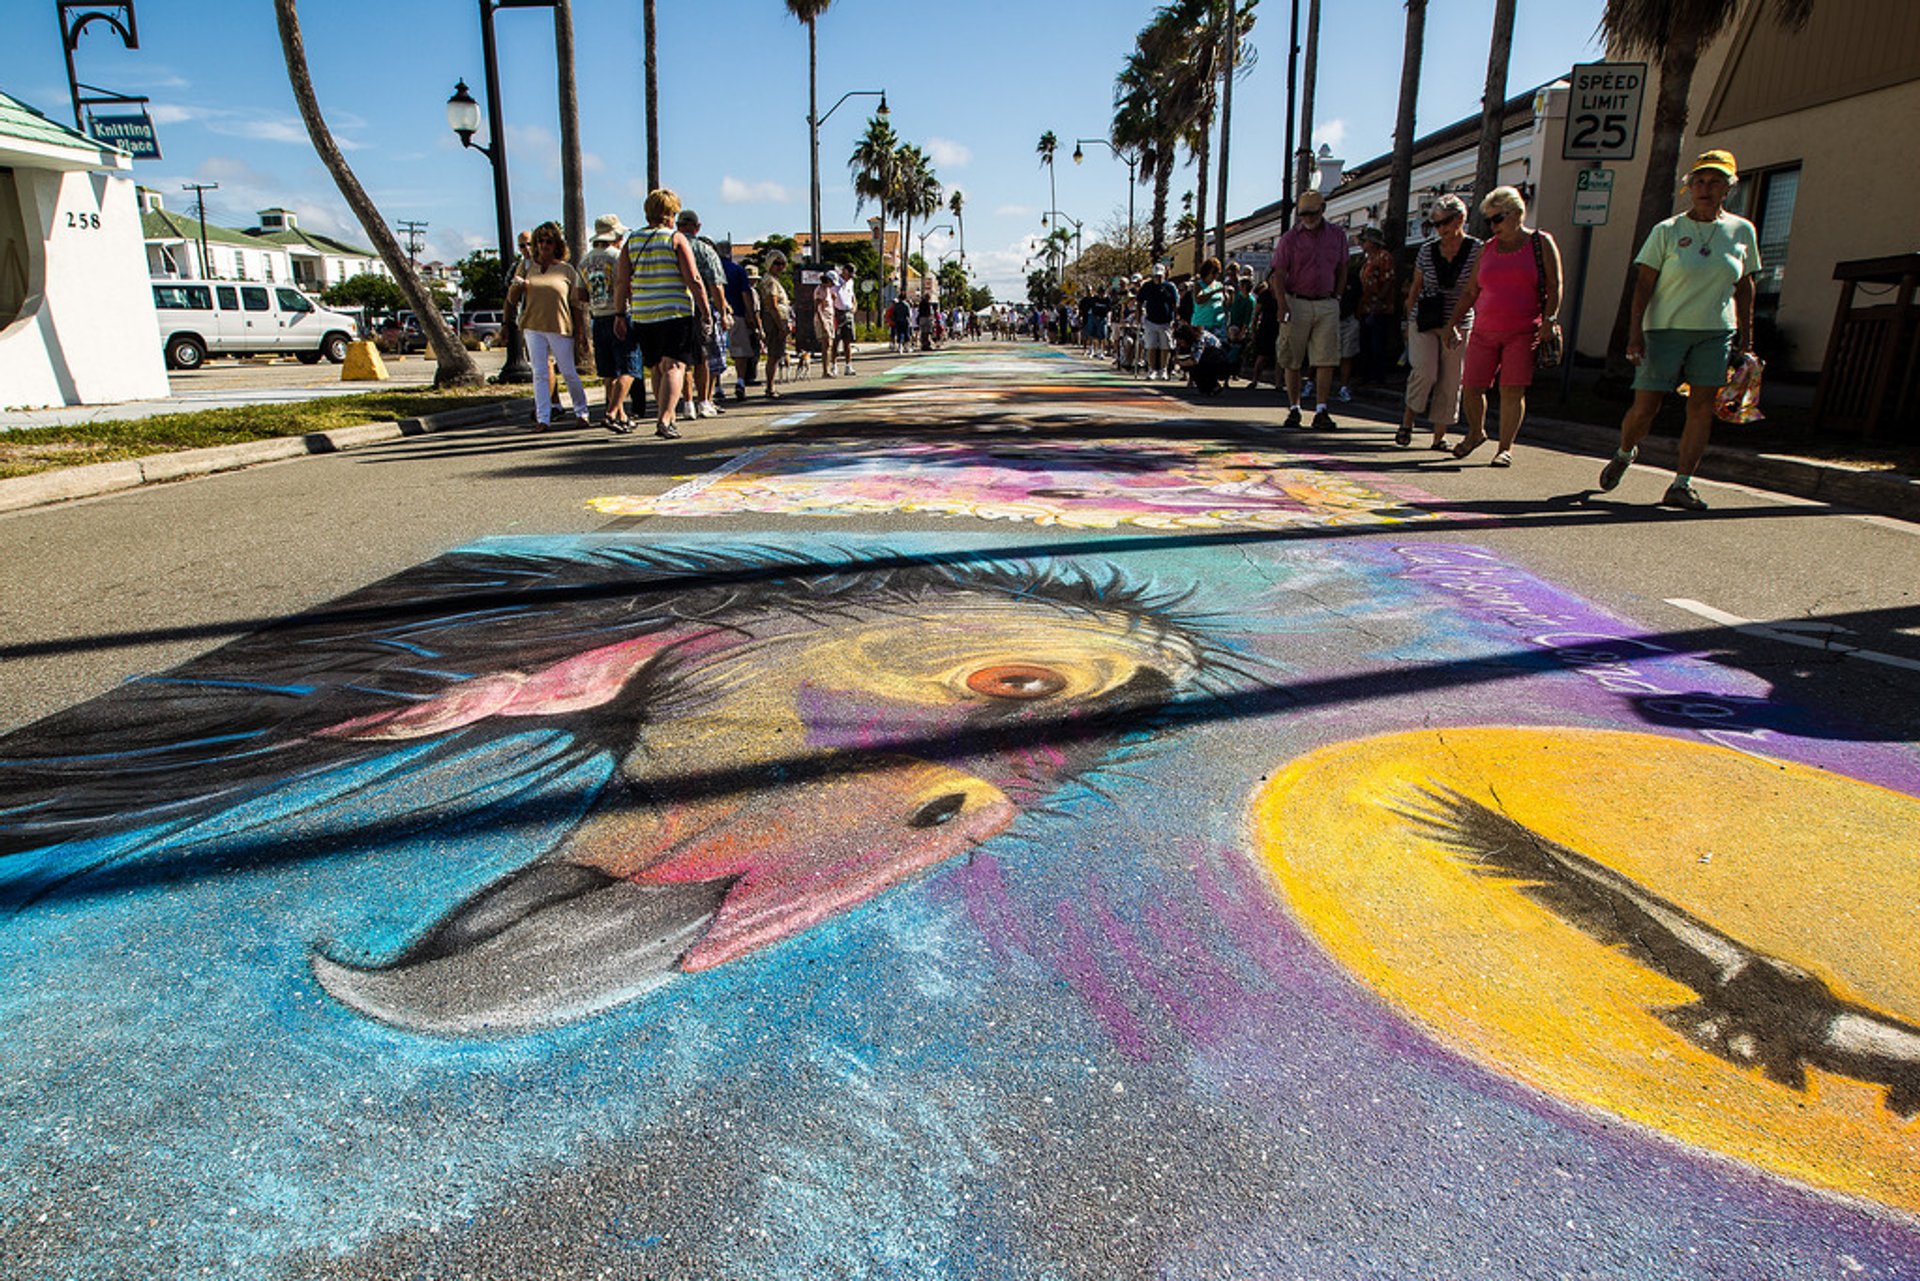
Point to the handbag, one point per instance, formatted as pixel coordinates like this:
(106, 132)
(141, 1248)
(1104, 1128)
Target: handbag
(1429, 312)
(1551, 350)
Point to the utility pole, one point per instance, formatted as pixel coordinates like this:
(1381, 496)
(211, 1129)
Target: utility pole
(1309, 78)
(200, 190)
(413, 231)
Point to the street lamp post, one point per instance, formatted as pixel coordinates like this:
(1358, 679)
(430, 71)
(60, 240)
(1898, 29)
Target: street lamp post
(813, 136)
(463, 114)
(1129, 158)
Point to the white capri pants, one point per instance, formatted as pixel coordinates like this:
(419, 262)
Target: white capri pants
(1433, 378)
(560, 346)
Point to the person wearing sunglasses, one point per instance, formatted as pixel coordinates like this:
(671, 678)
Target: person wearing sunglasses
(1435, 354)
(1514, 296)
(1692, 317)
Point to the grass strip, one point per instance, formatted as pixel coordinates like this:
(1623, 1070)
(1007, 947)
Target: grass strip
(27, 450)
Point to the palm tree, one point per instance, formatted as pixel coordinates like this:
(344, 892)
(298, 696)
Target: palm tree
(454, 367)
(653, 99)
(1188, 45)
(808, 11)
(1140, 125)
(1047, 146)
(875, 164)
(956, 201)
(1400, 176)
(1676, 32)
(1493, 104)
(918, 196)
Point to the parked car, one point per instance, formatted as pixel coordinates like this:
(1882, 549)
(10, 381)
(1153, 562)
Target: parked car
(482, 326)
(201, 318)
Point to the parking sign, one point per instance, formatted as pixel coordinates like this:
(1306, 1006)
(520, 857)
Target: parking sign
(1603, 110)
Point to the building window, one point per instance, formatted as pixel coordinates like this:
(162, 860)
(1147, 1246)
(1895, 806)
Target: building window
(1766, 199)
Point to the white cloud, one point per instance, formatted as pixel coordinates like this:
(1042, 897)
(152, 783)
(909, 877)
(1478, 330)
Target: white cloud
(637, 188)
(1332, 132)
(735, 192)
(948, 154)
(1014, 211)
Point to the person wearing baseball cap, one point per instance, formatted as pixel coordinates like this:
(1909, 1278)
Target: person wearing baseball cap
(615, 358)
(1692, 318)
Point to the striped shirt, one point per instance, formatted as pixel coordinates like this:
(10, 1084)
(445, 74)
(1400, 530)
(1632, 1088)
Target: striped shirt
(1432, 280)
(658, 293)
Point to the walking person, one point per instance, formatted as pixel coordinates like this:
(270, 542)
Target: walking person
(1692, 317)
(1308, 275)
(1515, 289)
(1435, 353)
(823, 317)
(775, 317)
(553, 299)
(1379, 309)
(612, 355)
(1158, 300)
(843, 303)
(704, 395)
(747, 339)
(660, 299)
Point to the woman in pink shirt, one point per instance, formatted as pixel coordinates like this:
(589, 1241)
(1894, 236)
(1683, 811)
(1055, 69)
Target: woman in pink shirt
(1514, 297)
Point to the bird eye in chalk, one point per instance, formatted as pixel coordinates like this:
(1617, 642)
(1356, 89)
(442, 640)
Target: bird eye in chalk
(1016, 680)
(938, 811)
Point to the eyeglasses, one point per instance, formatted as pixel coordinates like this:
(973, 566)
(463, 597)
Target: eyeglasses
(1447, 221)
(1495, 219)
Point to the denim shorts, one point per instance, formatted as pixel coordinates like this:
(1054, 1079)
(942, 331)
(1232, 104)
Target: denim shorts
(613, 356)
(1696, 357)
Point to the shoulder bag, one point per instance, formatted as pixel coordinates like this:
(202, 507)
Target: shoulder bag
(1551, 349)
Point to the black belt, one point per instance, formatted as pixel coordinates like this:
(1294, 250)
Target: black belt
(1311, 297)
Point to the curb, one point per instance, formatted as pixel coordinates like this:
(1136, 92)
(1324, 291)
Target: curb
(65, 484)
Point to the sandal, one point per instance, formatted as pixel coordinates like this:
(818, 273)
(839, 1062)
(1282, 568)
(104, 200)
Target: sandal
(1468, 445)
(1440, 443)
(1404, 437)
(1503, 459)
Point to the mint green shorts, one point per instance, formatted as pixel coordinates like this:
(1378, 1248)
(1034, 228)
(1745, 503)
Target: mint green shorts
(1696, 357)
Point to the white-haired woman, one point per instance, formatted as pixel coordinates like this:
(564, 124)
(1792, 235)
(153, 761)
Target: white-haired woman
(1514, 296)
(1692, 315)
(1435, 352)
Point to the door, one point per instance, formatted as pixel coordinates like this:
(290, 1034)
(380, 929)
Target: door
(229, 329)
(262, 323)
(299, 331)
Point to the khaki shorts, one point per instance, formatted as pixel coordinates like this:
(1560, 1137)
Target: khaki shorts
(1311, 333)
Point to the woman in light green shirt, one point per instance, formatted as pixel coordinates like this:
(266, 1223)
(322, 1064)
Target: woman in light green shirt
(1692, 318)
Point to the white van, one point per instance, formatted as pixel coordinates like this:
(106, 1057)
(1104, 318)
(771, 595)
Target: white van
(199, 318)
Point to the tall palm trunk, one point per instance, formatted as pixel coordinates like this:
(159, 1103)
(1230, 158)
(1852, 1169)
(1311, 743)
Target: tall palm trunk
(453, 366)
(813, 142)
(1400, 181)
(1231, 35)
(1309, 82)
(1162, 188)
(573, 205)
(653, 99)
(1202, 152)
(906, 238)
(1678, 57)
(1486, 169)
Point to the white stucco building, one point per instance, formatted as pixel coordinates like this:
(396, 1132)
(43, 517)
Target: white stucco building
(77, 322)
(318, 262)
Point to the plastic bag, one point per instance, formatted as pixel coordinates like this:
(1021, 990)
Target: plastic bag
(1739, 400)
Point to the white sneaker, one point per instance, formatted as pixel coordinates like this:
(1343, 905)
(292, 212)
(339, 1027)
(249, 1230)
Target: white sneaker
(699, 409)
(706, 409)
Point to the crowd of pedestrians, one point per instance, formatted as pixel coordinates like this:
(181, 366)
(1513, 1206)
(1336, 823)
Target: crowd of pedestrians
(1333, 311)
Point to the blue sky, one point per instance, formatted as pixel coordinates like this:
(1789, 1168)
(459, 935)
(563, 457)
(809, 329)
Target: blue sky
(975, 83)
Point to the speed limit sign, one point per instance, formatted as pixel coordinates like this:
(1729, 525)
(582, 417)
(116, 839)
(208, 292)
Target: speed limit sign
(1603, 110)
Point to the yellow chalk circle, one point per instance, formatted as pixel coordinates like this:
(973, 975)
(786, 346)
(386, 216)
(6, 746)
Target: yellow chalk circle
(1715, 945)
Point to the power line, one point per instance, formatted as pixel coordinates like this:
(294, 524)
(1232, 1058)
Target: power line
(415, 233)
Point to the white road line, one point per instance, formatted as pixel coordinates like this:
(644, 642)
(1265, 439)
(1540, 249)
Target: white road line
(788, 420)
(1790, 633)
(687, 489)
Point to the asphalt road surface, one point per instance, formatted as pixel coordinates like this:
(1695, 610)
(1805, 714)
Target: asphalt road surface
(986, 818)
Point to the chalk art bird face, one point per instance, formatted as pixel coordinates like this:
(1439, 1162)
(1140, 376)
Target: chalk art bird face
(779, 770)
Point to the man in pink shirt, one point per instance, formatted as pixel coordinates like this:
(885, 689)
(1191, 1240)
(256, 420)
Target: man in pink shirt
(1309, 272)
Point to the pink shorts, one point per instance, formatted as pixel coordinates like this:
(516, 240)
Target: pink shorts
(1510, 355)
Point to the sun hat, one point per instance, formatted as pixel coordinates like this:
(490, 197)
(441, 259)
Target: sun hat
(1311, 202)
(1718, 161)
(607, 229)
(1159, 268)
(753, 272)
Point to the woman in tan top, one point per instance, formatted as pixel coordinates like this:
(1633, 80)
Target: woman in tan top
(556, 300)
(774, 322)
